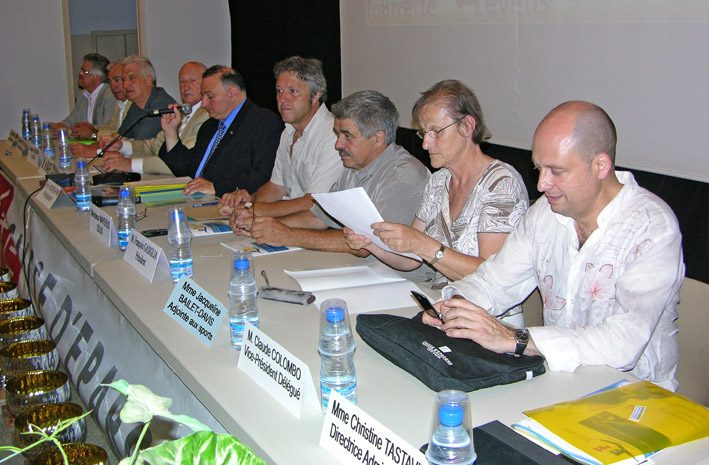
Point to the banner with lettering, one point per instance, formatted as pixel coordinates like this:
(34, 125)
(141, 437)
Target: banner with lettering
(96, 343)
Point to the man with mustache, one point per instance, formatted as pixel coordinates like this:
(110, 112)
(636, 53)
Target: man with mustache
(365, 128)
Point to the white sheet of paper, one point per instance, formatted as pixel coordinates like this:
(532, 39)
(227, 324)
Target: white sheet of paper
(364, 288)
(354, 209)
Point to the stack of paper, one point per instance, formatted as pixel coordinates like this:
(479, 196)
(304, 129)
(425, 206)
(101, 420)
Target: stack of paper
(364, 288)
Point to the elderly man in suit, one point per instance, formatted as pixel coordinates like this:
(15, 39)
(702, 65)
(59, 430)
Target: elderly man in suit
(235, 148)
(141, 155)
(96, 103)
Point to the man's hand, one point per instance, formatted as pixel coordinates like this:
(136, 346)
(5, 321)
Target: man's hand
(105, 140)
(114, 161)
(240, 221)
(466, 320)
(83, 151)
(231, 200)
(357, 241)
(199, 185)
(267, 230)
(56, 127)
(171, 121)
(83, 130)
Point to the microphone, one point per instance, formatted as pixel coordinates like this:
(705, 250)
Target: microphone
(185, 109)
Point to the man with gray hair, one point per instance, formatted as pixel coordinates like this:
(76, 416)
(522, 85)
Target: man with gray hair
(96, 103)
(139, 86)
(365, 129)
(306, 159)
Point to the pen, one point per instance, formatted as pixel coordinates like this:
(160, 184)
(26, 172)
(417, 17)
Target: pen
(195, 205)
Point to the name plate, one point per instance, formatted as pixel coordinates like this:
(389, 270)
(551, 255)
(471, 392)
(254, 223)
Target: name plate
(101, 224)
(52, 195)
(283, 375)
(196, 310)
(47, 164)
(144, 255)
(352, 436)
(13, 135)
(33, 155)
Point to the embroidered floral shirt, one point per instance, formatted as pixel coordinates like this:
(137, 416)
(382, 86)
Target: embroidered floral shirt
(612, 302)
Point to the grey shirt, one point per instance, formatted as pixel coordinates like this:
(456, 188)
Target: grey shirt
(395, 181)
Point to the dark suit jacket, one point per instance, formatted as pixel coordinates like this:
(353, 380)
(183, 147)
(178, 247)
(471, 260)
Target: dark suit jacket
(150, 126)
(243, 159)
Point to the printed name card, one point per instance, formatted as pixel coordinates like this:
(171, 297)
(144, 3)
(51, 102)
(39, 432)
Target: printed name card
(144, 255)
(277, 371)
(196, 310)
(33, 155)
(101, 224)
(352, 436)
(47, 164)
(52, 195)
(13, 136)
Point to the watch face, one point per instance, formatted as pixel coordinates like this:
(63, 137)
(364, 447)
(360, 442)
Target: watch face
(522, 336)
(439, 254)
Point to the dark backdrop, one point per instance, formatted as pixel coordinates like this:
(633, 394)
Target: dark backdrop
(266, 31)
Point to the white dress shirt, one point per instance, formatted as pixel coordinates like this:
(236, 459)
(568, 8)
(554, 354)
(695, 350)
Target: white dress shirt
(612, 302)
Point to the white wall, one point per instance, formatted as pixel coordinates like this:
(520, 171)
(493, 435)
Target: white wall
(33, 72)
(644, 61)
(177, 31)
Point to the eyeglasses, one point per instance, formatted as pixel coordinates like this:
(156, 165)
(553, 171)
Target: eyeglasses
(83, 71)
(433, 132)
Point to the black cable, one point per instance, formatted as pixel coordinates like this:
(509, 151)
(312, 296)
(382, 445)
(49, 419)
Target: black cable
(25, 269)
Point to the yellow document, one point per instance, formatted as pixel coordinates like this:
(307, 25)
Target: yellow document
(628, 421)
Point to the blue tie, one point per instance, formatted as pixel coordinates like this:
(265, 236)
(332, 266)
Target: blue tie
(217, 138)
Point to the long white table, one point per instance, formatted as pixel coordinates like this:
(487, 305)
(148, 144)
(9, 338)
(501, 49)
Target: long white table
(227, 397)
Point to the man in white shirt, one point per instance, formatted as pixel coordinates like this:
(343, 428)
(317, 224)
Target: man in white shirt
(605, 253)
(306, 159)
(96, 102)
(140, 156)
(87, 130)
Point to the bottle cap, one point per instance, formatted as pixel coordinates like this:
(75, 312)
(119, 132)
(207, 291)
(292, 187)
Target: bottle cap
(335, 314)
(450, 415)
(241, 263)
(124, 193)
(80, 164)
(46, 125)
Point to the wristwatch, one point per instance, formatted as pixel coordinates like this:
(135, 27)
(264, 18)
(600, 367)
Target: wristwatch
(438, 255)
(522, 339)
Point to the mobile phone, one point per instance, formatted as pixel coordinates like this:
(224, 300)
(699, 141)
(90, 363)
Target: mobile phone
(426, 305)
(154, 232)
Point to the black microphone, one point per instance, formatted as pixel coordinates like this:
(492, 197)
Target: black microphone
(185, 109)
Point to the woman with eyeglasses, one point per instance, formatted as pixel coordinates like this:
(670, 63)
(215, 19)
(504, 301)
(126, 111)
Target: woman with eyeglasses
(470, 204)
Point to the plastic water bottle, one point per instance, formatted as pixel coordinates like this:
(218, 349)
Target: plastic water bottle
(64, 157)
(48, 141)
(125, 211)
(337, 370)
(82, 180)
(242, 295)
(26, 124)
(36, 131)
(450, 443)
(179, 237)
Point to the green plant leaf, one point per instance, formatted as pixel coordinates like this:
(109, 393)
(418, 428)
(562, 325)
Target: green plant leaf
(201, 447)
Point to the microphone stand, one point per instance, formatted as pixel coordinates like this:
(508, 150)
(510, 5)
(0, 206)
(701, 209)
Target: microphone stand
(100, 153)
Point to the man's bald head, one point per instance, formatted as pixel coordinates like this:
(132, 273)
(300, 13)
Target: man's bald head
(592, 130)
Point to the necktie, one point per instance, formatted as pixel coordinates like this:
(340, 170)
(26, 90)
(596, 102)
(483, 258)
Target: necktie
(217, 138)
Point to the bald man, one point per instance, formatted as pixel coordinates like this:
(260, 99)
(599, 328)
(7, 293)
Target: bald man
(605, 253)
(141, 155)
